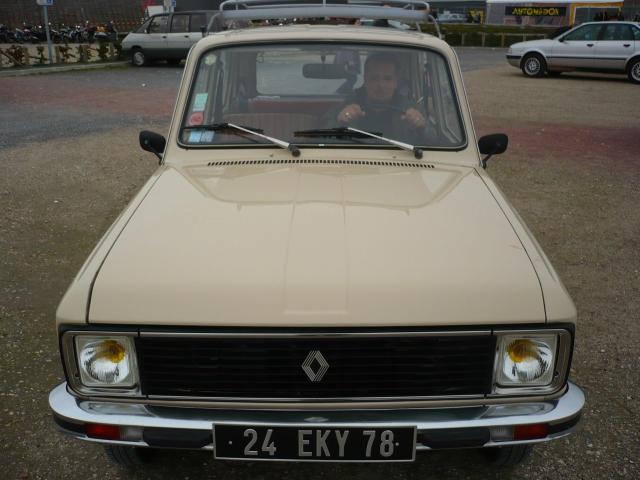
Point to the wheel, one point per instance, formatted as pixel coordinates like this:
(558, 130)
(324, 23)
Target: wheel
(633, 70)
(138, 58)
(128, 457)
(533, 65)
(507, 456)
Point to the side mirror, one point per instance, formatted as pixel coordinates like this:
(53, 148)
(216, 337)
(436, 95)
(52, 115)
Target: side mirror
(493, 144)
(152, 142)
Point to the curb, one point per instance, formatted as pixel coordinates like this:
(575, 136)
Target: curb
(58, 69)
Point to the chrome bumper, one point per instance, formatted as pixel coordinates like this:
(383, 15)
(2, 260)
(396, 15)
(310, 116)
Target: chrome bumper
(457, 427)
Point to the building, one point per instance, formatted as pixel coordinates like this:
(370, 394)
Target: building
(552, 12)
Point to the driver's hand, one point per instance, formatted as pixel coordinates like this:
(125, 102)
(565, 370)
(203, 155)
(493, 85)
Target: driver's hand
(350, 113)
(414, 117)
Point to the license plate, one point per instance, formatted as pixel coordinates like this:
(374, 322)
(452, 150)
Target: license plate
(314, 443)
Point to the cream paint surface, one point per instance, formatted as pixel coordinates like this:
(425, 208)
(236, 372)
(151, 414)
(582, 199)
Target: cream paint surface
(317, 245)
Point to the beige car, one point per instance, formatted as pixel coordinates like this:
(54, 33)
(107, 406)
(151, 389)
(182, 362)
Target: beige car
(320, 269)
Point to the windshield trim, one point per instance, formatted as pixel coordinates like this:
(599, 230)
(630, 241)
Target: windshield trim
(183, 117)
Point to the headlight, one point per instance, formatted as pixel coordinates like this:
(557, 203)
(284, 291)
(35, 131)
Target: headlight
(106, 361)
(527, 360)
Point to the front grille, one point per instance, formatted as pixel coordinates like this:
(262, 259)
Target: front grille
(362, 367)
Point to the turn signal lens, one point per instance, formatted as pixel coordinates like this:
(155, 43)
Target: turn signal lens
(106, 361)
(99, 430)
(530, 432)
(526, 360)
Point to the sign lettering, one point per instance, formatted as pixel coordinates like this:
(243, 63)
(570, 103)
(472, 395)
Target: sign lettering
(535, 11)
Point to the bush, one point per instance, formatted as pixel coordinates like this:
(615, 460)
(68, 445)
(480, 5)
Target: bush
(473, 39)
(493, 40)
(453, 39)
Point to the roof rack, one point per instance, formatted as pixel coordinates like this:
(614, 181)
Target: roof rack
(402, 10)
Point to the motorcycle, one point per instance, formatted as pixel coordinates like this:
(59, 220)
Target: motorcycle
(24, 34)
(106, 33)
(6, 35)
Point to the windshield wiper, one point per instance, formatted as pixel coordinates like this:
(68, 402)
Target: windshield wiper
(354, 132)
(295, 151)
(417, 152)
(332, 132)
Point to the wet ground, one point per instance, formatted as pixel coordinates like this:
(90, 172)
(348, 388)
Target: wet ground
(69, 162)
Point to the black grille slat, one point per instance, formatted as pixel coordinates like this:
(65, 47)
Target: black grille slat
(359, 366)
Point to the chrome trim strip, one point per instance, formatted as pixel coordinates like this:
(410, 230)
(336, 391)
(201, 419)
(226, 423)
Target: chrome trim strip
(301, 334)
(241, 400)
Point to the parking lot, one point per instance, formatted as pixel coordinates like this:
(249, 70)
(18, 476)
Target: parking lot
(70, 161)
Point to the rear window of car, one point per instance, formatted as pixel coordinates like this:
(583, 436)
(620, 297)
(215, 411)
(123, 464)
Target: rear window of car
(198, 20)
(620, 33)
(179, 23)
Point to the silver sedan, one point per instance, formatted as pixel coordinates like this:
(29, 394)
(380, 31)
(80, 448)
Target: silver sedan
(606, 47)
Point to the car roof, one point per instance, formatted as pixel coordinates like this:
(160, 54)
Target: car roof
(308, 32)
(208, 12)
(616, 22)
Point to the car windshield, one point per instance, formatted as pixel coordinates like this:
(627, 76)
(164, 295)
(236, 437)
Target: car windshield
(308, 94)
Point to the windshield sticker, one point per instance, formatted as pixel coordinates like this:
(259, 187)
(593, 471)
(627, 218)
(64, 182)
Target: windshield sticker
(207, 137)
(195, 136)
(200, 102)
(196, 119)
(210, 59)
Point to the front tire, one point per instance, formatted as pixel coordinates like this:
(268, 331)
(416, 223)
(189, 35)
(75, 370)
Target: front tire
(138, 58)
(633, 70)
(507, 456)
(533, 65)
(130, 458)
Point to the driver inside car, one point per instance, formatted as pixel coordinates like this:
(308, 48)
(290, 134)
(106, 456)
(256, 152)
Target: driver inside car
(377, 106)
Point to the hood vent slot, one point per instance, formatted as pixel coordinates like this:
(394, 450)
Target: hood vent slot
(367, 163)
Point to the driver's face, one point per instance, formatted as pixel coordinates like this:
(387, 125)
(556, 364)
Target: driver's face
(380, 81)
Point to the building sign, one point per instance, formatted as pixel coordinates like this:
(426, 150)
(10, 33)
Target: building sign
(536, 11)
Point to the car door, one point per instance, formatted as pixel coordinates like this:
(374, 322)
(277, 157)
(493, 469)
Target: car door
(178, 38)
(156, 41)
(576, 48)
(615, 46)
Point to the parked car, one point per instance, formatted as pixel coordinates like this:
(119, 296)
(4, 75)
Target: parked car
(448, 17)
(318, 272)
(167, 36)
(607, 47)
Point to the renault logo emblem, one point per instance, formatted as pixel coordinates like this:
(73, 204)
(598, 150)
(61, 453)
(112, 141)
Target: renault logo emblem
(315, 366)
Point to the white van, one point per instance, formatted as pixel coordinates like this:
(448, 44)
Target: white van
(166, 36)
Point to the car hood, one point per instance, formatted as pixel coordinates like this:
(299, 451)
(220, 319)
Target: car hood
(542, 43)
(317, 245)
